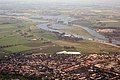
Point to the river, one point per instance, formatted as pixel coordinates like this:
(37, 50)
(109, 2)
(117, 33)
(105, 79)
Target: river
(57, 26)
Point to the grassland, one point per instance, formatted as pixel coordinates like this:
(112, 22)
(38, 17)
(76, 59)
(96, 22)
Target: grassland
(89, 46)
(9, 36)
(12, 40)
(18, 48)
(76, 30)
(41, 20)
(45, 35)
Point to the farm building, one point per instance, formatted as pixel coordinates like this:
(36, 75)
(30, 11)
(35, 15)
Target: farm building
(65, 52)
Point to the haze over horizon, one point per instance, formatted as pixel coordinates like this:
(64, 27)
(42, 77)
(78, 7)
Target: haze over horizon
(65, 1)
(60, 3)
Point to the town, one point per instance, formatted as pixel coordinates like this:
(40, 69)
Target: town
(61, 66)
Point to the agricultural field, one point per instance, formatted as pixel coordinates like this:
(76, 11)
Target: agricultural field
(10, 40)
(18, 35)
(18, 48)
(44, 35)
(89, 46)
(76, 30)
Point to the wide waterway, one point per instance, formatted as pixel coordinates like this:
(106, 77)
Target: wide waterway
(66, 19)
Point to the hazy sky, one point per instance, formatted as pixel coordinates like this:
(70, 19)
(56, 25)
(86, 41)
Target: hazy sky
(66, 1)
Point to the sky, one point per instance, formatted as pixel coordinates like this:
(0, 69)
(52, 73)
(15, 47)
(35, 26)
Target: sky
(66, 1)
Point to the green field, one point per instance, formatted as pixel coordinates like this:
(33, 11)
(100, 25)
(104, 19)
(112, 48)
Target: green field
(45, 35)
(76, 30)
(9, 36)
(12, 40)
(89, 46)
(18, 48)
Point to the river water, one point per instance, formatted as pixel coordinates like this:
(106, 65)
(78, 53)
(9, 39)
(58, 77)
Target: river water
(95, 35)
(66, 19)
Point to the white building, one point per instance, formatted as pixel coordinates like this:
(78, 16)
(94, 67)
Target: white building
(65, 52)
